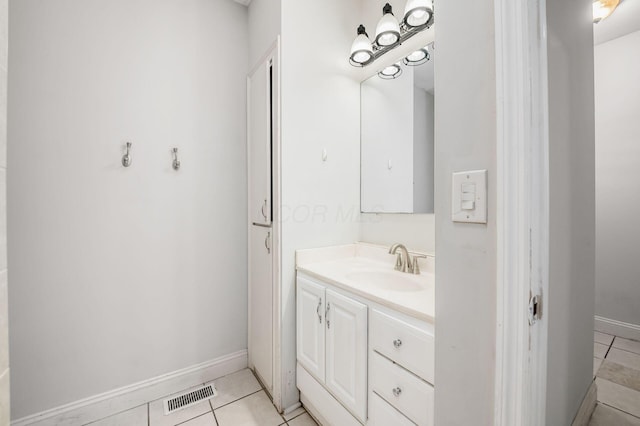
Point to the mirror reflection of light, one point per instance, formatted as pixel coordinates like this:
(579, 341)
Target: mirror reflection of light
(391, 72)
(418, 57)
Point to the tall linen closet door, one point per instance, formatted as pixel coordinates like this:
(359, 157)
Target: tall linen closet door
(260, 136)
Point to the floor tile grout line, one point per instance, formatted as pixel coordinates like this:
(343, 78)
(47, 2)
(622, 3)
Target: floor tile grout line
(236, 400)
(624, 350)
(616, 408)
(304, 412)
(193, 418)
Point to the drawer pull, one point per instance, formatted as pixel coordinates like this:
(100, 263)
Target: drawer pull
(397, 343)
(396, 391)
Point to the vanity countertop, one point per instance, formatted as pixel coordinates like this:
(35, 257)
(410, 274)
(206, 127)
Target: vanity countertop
(367, 271)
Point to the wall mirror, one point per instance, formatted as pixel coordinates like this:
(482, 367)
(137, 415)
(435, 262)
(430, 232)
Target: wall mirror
(397, 137)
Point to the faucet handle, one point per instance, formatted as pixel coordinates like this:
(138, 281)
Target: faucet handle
(398, 266)
(415, 269)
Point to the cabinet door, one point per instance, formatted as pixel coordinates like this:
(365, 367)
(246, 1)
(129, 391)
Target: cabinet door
(261, 304)
(259, 143)
(310, 307)
(346, 340)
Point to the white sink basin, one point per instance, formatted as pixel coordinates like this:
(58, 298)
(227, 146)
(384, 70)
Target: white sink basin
(387, 280)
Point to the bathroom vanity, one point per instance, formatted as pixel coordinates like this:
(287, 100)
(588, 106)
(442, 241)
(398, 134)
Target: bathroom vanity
(365, 336)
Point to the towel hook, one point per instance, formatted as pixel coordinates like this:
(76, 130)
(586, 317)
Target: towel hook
(126, 159)
(176, 162)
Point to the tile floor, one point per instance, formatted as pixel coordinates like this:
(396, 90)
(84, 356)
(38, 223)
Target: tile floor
(241, 401)
(616, 367)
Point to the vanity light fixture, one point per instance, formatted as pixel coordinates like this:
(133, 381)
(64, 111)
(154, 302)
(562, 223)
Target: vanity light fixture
(361, 51)
(603, 9)
(418, 57)
(390, 33)
(388, 29)
(391, 72)
(418, 12)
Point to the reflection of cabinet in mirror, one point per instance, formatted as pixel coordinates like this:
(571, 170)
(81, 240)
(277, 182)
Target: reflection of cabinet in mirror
(397, 142)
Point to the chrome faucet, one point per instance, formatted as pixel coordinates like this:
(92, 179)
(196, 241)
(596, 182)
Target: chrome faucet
(403, 260)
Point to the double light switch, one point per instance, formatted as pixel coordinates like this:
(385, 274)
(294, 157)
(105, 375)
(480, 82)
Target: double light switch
(469, 201)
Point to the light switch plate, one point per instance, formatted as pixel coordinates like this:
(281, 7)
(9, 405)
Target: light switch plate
(469, 197)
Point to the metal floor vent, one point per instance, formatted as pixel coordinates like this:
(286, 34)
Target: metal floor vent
(189, 398)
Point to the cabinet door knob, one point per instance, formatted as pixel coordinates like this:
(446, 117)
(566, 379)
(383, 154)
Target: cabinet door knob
(318, 311)
(396, 391)
(397, 343)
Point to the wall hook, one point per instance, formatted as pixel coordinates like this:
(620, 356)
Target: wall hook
(176, 162)
(126, 159)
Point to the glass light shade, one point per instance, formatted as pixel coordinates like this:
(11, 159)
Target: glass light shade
(388, 29)
(391, 72)
(603, 8)
(418, 57)
(418, 12)
(361, 50)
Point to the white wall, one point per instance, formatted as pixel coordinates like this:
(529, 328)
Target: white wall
(4, 316)
(617, 94)
(264, 27)
(120, 275)
(386, 139)
(466, 256)
(320, 110)
(571, 208)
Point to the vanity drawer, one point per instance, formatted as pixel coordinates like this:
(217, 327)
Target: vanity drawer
(383, 414)
(410, 395)
(403, 343)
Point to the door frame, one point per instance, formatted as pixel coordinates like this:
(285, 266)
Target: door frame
(273, 53)
(522, 196)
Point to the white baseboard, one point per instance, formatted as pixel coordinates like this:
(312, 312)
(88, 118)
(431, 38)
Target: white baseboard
(105, 404)
(618, 328)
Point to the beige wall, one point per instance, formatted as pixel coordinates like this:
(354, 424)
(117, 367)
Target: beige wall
(4, 327)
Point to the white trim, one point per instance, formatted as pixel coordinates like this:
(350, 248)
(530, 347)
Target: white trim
(522, 211)
(108, 403)
(276, 202)
(617, 328)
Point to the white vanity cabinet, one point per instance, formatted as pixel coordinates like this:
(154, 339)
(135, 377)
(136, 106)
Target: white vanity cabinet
(332, 342)
(360, 362)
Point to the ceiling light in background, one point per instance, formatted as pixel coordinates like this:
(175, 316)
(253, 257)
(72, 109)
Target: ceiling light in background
(388, 29)
(361, 50)
(418, 12)
(603, 8)
(418, 57)
(391, 72)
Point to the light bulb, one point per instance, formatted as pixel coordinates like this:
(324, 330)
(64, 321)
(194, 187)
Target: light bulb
(418, 12)
(388, 29)
(361, 50)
